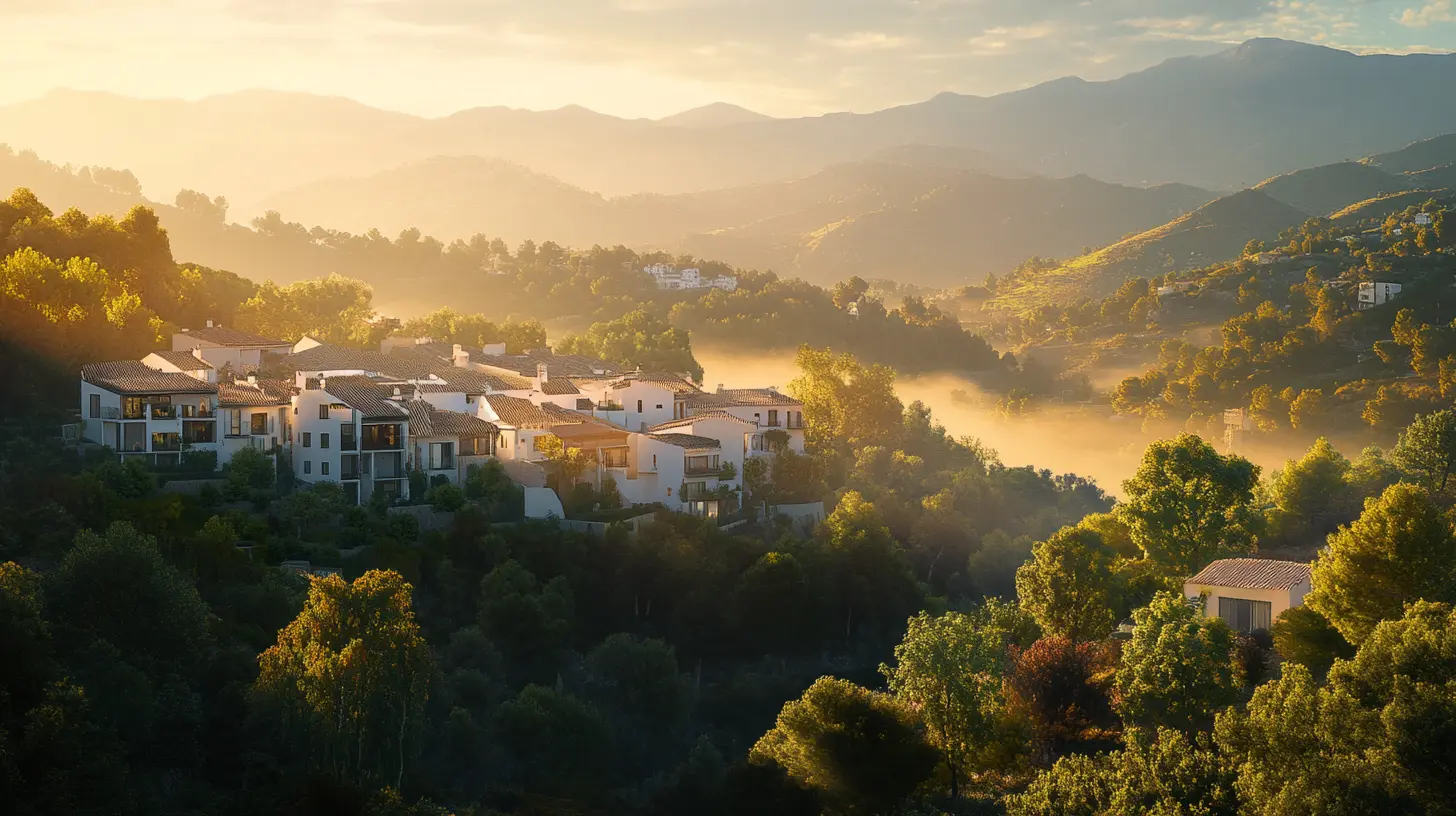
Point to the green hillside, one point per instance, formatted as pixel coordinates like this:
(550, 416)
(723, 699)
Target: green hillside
(1382, 206)
(1327, 189)
(1216, 231)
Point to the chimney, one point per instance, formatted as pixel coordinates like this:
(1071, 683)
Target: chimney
(323, 382)
(209, 323)
(197, 351)
(542, 374)
(460, 358)
(253, 380)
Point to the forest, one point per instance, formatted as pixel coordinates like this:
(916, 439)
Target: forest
(958, 637)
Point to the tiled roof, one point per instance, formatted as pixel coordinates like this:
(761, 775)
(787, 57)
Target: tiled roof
(132, 377)
(427, 420)
(522, 413)
(328, 357)
(1252, 573)
(741, 397)
(412, 364)
(183, 360)
(564, 365)
(688, 441)
(558, 387)
(366, 396)
(686, 422)
(267, 392)
(222, 336)
(671, 382)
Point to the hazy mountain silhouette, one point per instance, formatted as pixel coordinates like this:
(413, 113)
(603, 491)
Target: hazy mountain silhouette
(1222, 121)
(718, 114)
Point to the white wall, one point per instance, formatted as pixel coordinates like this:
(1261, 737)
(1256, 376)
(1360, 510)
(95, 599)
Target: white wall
(656, 404)
(94, 429)
(1280, 600)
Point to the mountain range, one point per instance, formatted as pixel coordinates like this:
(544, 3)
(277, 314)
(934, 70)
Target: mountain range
(1222, 121)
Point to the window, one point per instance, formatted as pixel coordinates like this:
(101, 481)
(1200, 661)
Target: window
(134, 438)
(346, 436)
(166, 442)
(235, 422)
(324, 441)
(258, 424)
(131, 408)
(383, 437)
(614, 457)
(307, 466)
(307, 439)
(1244, 615)
(442, 455)
(198, 432)
(324, 411)
(349, 467)
(659, 407)
(639, 406)
(95, 412)
(773, 419)
(323, 468)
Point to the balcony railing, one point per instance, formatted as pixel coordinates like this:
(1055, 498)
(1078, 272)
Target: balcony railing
(348, 443)
(702, 470)
(110, 412)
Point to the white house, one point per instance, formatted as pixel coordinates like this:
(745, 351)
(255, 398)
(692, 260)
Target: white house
(1422, 219)
(1372, 294)
(522, 422)
(734, 435)
(253, 413)
(220, 346)
(137, 410)
(644, 399)
(669, 277)
(446, 443)
(352, 430)
(767, 408)
(1249, 593)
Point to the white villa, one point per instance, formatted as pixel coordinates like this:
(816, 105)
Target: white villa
(670, 277)
(1371, 294)
(365, 418)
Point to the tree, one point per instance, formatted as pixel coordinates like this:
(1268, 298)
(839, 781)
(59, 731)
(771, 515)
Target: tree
(556, 742)
(1312, 495)
(947, 669)
(1302, 635)
(567, 463)
(198, 204)
(1401, 549)
(863, 751)
(847, 405)
(350, 677)
(1187, 505)
(1059, 688)
(1068, 585)
(636, 684)
(1178, 668)
(1427, 449)
(872, 583)
(527, 620)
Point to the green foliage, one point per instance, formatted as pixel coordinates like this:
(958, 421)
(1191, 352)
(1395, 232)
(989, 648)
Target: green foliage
(847, 405)
(449, 326)
(1401, 549)
(1302, 635)
(1068, 585)
(1177, 670)
(1188, 505)
(249, 469)
(560, 744)
(526, 620)
(1427, 449)
(445, 498)
(947, 668)
(349, 678)
(862, 751)
(637, 340)
(1313, 495)
(333, 309)
(871, 582)
(1059, 689)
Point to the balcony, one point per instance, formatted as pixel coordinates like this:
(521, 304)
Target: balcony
(110, 412)
(160, 411)
(702, 470)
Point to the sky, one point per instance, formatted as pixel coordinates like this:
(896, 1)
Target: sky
(654, 57)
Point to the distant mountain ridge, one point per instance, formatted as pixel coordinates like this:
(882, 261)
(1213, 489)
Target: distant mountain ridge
(1224, 121)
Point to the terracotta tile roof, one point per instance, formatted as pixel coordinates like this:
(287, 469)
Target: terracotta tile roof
(686, 422)
(413, 364)
(741, 397)
(328, 357)
(222, 336)
(671, 382)
(132, 377)
(266, 392)
(1252, 573)
(558, 387)
(427, 420)
(522, 413)
(563, 365)
(366, 396)
(183, 360)
(688, 441)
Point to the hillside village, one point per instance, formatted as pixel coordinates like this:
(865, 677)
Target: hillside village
(369, 419)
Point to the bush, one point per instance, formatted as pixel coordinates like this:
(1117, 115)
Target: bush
(1302, 635)
(445, 498)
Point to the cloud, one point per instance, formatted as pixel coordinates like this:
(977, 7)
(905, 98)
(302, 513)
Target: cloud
(1436, 11)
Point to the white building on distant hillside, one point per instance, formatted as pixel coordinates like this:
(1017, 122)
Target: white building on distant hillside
(670, 277)
(1372, 294)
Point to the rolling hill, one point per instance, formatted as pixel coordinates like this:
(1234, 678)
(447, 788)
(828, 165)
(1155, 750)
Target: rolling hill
(1328, 189)
(1222, 121)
